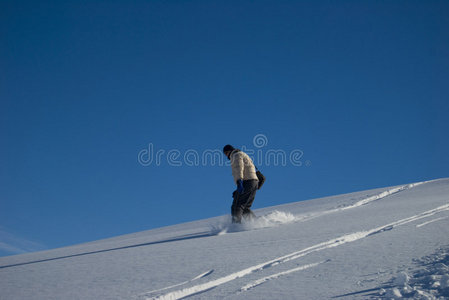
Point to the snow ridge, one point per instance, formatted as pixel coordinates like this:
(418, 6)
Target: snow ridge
(347, 238)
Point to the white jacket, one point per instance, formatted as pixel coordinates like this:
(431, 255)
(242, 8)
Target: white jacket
(242, 166)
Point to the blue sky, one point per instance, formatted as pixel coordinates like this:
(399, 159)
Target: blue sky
(359, 87)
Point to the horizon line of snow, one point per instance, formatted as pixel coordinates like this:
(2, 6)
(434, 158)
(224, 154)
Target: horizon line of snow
(347, 238)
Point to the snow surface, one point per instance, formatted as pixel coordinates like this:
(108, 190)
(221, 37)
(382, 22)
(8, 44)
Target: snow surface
(387, 243)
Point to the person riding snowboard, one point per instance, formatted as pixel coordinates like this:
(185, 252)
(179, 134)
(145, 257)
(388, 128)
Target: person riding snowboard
(244, 173)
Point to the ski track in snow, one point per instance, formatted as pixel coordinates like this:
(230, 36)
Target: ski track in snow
(277, 275)
(431, 221)
(202, 275)
(364, 201)
(344, 239)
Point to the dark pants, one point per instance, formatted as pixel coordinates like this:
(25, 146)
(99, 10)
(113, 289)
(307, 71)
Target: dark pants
(242, 202)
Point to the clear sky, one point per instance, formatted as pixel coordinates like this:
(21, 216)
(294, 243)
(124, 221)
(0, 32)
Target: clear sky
(357, 90)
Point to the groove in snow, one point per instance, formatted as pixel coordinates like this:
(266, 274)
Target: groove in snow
(348, 238)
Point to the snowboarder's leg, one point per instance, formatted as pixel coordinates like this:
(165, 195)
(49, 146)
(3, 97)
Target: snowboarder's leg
(248, 214)
(237, 216)
(242, 202)
(236, 209)
(237, 212)
(251, 187)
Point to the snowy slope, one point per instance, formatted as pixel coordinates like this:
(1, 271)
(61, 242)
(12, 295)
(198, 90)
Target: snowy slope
(383, 243)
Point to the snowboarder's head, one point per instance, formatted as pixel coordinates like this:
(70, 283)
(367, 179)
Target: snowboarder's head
(227, 150)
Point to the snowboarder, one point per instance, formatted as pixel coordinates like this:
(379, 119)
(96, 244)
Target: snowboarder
(244, 173)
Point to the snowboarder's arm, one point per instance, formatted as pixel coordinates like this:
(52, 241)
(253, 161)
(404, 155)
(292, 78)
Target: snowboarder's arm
(237, 166)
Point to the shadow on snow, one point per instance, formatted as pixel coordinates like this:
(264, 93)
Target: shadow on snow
(175, 239)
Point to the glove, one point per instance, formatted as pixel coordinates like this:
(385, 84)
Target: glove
(240, 188)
